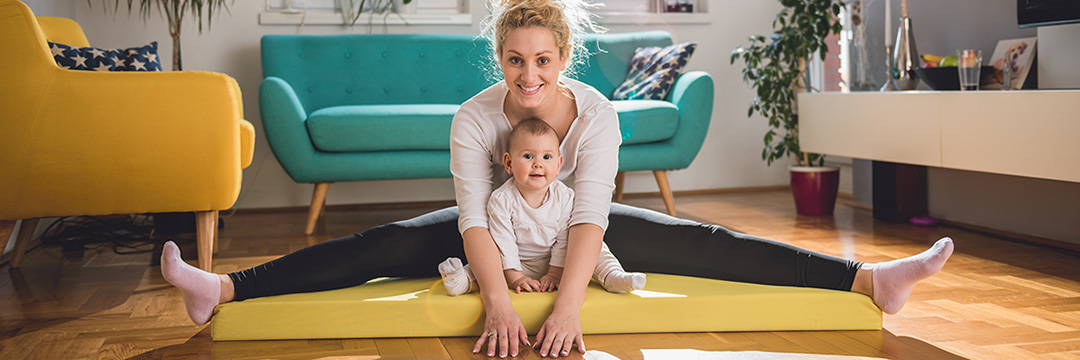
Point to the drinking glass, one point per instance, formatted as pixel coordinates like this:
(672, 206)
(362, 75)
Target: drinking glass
(969, 63)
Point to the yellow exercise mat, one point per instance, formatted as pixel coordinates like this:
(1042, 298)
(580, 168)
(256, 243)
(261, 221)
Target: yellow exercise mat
(420, 308)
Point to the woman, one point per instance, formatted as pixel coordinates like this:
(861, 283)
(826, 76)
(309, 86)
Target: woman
(534, 41)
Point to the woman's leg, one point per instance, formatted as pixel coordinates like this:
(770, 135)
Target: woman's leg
(409, 248)
(649, 241)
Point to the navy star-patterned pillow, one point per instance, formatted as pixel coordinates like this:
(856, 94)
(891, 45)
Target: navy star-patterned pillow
(652, 72)
(142, 58)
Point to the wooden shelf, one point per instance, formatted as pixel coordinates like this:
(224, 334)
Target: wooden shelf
(1029, 133)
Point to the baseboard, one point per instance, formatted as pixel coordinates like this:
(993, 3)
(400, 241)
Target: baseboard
(708, 191)
(1012, 236)
(849, 200)
(352, 207)
(449, 203)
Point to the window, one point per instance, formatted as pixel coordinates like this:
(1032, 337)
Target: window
(421, 6)
(329, 12)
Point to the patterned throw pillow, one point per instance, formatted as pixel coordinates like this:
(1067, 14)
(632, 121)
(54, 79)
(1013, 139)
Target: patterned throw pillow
(143, 58)
(653, 70)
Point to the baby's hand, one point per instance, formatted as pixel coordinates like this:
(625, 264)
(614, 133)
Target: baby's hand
(549, 282)
(525, 283)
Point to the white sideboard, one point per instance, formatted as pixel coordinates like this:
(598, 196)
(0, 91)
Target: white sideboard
(1033, 133)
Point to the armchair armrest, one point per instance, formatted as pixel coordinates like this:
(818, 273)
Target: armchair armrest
(129, 142)
(283, 118)
(247, 130)
(692, 93)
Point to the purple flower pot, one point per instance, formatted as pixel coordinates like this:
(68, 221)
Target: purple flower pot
(815, 189)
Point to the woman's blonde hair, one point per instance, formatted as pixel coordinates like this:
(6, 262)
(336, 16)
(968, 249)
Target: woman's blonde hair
(567, 20)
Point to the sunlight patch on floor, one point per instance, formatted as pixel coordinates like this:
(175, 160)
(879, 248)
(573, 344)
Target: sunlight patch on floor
(402, 297)
(646, 294)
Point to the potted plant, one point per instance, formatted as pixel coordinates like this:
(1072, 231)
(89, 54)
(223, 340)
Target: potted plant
(776, 67)
(174, 12)
(353, 8)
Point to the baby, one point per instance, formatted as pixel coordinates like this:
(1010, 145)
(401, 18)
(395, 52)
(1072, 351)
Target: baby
(528, 219)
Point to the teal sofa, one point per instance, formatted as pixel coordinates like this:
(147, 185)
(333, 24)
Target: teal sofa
(370, 107)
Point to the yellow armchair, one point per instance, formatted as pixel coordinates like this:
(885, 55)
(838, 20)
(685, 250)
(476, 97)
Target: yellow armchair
(99, 143)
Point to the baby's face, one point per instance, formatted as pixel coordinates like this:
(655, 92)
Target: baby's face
(533, 160)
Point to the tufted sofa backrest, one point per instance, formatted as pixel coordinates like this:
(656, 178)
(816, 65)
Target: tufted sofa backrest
(335, 70)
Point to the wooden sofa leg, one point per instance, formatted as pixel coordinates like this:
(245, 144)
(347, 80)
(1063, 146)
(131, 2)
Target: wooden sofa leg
(318, 204)
(22, 241)
(322, 208)
(620, 179)
(206, 234)
(6, 227)
(665, 190)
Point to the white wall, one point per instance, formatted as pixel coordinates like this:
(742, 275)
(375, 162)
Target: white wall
(52, 7)
(729, 158)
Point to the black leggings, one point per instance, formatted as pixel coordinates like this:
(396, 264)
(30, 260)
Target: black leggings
(643, 240)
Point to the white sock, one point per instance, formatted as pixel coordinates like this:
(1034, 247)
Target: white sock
(456, 278)
(622, 282)
(201, 290)
(893, 280)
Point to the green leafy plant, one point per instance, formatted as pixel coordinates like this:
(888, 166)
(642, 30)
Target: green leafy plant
(377, 7)
(776, 69)
(174, 11)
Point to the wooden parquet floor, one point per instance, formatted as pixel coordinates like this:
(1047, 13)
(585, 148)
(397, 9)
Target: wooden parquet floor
(996, 299)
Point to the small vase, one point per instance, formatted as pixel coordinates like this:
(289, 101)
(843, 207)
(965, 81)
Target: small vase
(402, 8)
(860, 77)
(905, 57)
(815, 189)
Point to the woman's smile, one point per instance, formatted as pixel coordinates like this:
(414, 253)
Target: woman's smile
(530, 90)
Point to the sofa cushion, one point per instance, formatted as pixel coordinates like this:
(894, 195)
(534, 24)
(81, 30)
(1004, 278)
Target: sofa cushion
(382, 127)
(420, 307)
(140, 58)
(653, 70)
(646, 121)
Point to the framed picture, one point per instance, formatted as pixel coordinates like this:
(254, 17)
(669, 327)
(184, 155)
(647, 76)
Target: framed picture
(1021, 53)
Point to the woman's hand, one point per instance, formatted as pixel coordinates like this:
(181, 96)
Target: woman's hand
(559, 334)
(503, 331)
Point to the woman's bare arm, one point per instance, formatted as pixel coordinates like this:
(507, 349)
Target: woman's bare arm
(501, 318)
(563, 328)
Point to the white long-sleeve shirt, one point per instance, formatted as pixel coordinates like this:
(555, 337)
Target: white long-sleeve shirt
(479, 137)
(535, 237)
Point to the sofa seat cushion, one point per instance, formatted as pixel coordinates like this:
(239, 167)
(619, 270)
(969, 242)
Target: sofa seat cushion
(646, 121)
(382, 127)
(421, 307)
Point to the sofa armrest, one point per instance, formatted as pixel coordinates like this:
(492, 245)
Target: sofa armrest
(692, 93)
(247, 130)
(129, 143)
(283, 118)
(247, 143)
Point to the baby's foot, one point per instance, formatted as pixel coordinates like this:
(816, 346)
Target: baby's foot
(622, 282)
(201, 290)
(455, 277)
(893, 280)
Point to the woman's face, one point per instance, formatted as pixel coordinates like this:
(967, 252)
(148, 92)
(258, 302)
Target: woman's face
(531, 63)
